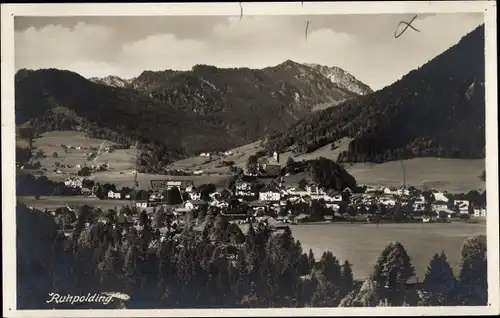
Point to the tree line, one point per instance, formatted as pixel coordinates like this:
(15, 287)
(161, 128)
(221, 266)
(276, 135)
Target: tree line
(219, 265)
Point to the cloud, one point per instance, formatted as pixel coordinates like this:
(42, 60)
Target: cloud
(364, 45)
(162, 51)
(57, 47)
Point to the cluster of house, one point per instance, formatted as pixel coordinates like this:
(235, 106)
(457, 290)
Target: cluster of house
(74, 182)
(439, 203)
(278, 197)
(220, 154)
(71, 147)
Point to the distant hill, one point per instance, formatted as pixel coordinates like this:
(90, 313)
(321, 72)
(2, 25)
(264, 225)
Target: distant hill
(436, 110)
(273, 97)
(52, 99)
(343, 79)
(175, 114)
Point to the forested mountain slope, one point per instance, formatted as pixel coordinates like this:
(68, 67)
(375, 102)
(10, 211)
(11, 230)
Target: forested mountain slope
(435, 110)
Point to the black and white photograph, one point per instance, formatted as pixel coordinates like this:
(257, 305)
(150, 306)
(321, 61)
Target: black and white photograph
(255, 159)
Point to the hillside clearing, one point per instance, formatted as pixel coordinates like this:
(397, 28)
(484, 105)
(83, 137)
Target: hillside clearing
(50, 142)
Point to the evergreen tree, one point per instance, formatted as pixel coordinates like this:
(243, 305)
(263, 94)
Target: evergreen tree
(174, 196)
(159, 218)
(367, 296)
(346, 278)
(252, 164)
(473, 277)
(439, 280)
(312, 259)
(109, 266)
(392, 270)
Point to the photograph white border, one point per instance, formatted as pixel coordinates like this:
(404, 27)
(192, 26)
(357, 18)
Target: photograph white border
(9, 11)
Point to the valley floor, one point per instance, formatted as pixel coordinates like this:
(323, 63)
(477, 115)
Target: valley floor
(361, 244)
(453, 175)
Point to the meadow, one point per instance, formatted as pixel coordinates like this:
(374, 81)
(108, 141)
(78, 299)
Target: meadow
(361, 244)
(119, 160)
(452, 175)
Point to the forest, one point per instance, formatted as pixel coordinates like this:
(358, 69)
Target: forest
(436, 110)
(219, 266)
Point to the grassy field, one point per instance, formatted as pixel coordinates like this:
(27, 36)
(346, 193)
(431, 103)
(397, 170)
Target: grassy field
(119, 160)
(361, 244)
(239, 156)
(453, 175)
(325, 152)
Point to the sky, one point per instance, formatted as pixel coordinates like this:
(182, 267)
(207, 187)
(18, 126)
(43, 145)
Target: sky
(363, 45)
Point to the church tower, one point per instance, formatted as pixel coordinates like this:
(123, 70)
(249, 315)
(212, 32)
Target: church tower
(276, 156)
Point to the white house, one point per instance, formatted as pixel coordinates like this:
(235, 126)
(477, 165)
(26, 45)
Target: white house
(242, 193)
(198, 172)
(313, 189)
(440, 206)
(269, 196)
(420, 199)
(386, 201)
(390, 190)
(371, 189)
(297, 200)
(189, 205)
(156, 197)
(462, 205)
(114, 195)
(439, 196)
(195, 196)
(296, 192)
(74, 182)
(403, 192)
(333, 206)
(479, 212)
(244, 186)
(142, 204)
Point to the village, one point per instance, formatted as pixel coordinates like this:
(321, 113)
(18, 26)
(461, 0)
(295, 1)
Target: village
(262, 194)
(278, 204)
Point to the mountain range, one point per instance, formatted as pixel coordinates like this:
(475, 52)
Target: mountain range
(180, 112)
(435, 110)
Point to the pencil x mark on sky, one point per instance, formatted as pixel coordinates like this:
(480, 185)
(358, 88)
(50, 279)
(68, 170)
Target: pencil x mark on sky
(125, 46)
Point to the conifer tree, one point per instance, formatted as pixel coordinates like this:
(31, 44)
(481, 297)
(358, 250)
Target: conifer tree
(346, 278)
(439, 280)
(473, 277)
(312, 260)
